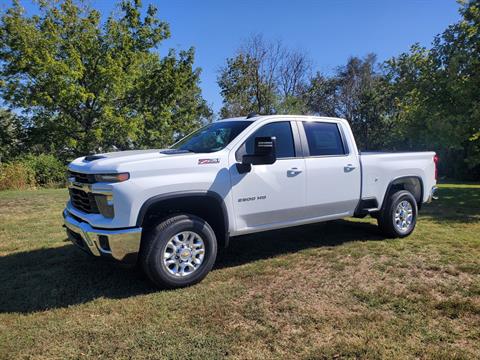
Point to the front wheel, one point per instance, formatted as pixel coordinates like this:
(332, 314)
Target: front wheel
(179, 251)
(399, 215)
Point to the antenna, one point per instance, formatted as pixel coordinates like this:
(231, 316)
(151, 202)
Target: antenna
(252, 115)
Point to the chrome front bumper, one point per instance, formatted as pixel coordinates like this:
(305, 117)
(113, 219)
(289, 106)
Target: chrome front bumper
(121, 245)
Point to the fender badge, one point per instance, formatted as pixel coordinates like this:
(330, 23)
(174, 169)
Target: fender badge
(208, 161)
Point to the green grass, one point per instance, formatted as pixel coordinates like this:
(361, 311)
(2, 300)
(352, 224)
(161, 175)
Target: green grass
(332, 290)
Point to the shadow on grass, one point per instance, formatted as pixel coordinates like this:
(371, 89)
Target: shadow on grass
(248, 248)
(59, 277)
(455, 205)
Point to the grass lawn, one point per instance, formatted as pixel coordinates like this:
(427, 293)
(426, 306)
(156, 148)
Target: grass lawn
(332, 290)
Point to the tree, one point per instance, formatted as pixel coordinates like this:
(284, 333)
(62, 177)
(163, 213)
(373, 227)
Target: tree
(437, 95)
(86, 86)
(264, 77)
(356, 92)
(11, 135)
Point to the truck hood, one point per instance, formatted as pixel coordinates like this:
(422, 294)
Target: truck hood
(111, 162)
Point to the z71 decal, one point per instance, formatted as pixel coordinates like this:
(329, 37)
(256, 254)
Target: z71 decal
(208, 161)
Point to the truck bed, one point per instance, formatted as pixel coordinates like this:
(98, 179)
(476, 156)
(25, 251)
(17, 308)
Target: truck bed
(379, 169)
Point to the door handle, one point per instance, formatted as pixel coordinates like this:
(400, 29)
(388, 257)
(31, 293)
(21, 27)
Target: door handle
(293, 172)
(349, 168)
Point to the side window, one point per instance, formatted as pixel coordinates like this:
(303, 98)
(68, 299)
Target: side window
(284, 140)
(323, 139)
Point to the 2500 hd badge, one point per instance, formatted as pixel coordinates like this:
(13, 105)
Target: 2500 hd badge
(253, 198)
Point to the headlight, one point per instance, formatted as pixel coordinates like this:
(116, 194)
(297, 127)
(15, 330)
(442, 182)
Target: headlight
(112, 177)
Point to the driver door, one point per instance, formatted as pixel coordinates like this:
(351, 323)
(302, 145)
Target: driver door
(269, 195)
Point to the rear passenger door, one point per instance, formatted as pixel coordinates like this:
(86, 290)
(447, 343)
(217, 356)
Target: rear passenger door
(333, 170)
(275, 193)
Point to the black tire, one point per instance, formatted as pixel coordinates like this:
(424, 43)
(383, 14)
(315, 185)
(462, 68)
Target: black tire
(386, 218)
(155, 242)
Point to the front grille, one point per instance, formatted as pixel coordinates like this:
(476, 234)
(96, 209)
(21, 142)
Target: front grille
(82, 178)
(83, 201)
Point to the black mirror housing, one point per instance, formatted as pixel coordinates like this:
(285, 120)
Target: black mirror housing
(264, 153)
(258, 159)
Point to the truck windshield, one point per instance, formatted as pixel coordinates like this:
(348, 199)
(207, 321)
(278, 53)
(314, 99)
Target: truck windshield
(211, 138)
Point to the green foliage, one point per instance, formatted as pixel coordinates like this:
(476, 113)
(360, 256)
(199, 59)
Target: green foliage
(11, 135)
(437, 98)
(356, 92)
(16, 176)
(87, 86)
(241, 92)
(265, 78)
(32, 170)
(48, 170)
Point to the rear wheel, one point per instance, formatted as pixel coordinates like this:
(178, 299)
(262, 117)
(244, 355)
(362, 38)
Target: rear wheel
(179, 251)
(399, 215)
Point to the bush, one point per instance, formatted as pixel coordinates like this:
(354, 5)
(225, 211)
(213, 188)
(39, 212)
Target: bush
(48, 170)
(16, 176)
(32, 170)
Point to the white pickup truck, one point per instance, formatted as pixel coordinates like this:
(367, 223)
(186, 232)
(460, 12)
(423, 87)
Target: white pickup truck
(170, 210)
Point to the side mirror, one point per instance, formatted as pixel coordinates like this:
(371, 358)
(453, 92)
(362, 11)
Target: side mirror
(264, 154)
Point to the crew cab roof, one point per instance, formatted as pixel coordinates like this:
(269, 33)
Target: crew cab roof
(283, 117)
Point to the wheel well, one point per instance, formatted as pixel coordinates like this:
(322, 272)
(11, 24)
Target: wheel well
(205, 206)
(412, 184)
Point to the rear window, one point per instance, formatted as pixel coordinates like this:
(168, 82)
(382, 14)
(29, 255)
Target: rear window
(323, 139)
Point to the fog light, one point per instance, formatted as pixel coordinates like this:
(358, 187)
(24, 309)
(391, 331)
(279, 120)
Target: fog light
(105, 205)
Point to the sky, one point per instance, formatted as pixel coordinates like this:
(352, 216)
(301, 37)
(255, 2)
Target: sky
(329, 31)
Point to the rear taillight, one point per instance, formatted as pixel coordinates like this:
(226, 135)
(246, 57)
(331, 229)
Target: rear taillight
(435, 160)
